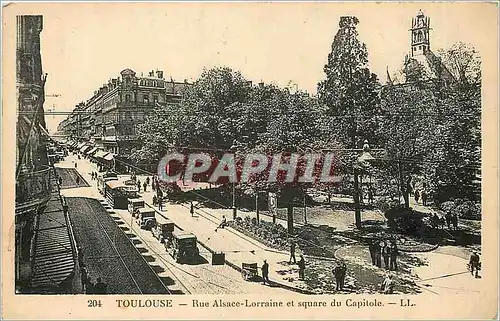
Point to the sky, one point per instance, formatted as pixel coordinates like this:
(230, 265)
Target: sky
(84, 45)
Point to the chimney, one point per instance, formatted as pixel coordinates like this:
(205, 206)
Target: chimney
(159, 74)
(261, 84)
(152, 73)
(185, 81)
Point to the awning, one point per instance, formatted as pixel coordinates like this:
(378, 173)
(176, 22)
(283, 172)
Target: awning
(80, 145)
(85, 148)
(90, 151)
(100, 154)
(109, 157)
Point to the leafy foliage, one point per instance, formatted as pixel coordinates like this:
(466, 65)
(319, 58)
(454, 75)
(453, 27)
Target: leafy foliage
(350, 89)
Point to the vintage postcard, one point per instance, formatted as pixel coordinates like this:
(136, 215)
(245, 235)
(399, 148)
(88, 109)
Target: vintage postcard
(250, 160)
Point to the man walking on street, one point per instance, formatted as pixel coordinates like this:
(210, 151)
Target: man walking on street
(386, 251)
(393, 256)
(265, 273)
(474, 264)
(160, 203)
(454, 220)
(302, 267)
(138, 186)
(371, 248)
(292, 252)
(191, 210)
(447, 216)
(424, 198)
(339, 272)
(85, 278)
(145, 185)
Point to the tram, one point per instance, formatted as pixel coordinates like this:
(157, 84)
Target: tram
(117, 194)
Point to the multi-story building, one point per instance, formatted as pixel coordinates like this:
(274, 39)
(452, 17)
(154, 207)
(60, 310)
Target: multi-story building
(45, 255)
(110, 118)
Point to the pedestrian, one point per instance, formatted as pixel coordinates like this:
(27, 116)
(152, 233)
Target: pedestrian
(388, 285)
(474, 264)
(416, 195)
(77, 180)
(424, 197)
(84, 276)
(339, 272)
(191, 210)
(454, 221)
(386, 251)
(76, 165)
(145, 185)
(447, 216)
(155, 200)
(100, 287)
(147, 180)
(292, 252)
(139, 186)
(160, 203)
(370, 195)
(60, 181)
(371, 248)
(302, 267)
(265, 273)
(378, 253)
(222, 224)
(393, 256)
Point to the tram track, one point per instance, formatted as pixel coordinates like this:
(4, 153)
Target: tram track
(109, 252)
(195, 281)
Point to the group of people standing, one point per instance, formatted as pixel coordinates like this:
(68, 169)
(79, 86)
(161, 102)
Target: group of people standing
(386, 250)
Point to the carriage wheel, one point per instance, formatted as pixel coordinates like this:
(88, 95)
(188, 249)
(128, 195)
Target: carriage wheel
(244, 274)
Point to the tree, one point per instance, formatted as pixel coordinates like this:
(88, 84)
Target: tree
(464, 62)
(350, 89)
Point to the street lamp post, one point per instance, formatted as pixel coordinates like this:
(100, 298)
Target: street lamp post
(233, 149)
(365, 158)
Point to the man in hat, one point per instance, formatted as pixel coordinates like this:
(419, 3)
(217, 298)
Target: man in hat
(265, 273)
(302, 267)
(474, 264)
(292, 252)
(339, 272)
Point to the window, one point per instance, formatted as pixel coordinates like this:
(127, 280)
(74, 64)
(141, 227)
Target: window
(145, 99)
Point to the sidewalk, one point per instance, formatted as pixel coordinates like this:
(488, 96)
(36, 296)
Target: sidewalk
(237, 247)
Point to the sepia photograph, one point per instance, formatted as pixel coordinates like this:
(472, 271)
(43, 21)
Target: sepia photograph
(248, 152)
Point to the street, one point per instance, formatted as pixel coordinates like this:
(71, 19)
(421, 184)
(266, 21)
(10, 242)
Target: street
(201, 278)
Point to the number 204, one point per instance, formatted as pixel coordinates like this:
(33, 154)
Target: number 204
(94, 303)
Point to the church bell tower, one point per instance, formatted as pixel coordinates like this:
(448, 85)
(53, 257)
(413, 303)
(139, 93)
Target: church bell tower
(420, 26)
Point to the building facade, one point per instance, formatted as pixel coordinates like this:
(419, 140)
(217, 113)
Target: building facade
(110, 118)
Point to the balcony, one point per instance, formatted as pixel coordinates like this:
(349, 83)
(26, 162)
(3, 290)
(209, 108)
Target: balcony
(32, 190)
